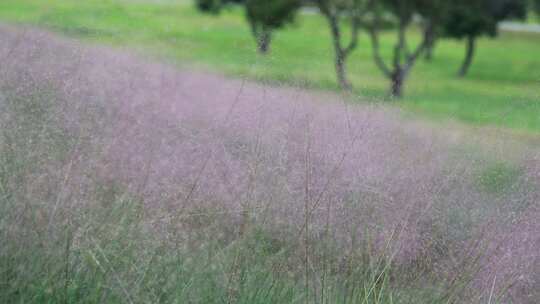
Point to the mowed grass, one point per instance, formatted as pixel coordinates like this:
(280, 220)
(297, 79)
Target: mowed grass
(502, 89)
(533, 18)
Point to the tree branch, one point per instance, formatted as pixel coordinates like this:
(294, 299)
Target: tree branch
(372, 29)
(411, 59)
(354, 36)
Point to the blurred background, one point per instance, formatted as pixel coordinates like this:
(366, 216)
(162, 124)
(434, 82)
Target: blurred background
(477, 61)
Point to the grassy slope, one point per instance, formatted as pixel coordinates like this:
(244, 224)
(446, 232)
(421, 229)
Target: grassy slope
(502, 88)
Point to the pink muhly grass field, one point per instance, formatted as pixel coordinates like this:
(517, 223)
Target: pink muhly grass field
(309, 167)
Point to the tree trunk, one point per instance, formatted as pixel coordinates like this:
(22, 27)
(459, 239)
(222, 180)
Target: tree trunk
(429, 51)
(344, 83)
(340, 53)
(430, 36)
(263, 41)
(468, 56)
(398, 77)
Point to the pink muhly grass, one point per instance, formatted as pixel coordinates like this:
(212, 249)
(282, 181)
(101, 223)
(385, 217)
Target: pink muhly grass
(185, 141)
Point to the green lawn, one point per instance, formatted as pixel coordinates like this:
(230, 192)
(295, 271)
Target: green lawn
(533, 18)
(503, 88)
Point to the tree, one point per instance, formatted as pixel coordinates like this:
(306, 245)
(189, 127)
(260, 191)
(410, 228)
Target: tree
(403, 59)
(535, 4)
(470, 19)
(431, 43)
(210, 6)
(335, 11)
(433, 13)
(263, 16)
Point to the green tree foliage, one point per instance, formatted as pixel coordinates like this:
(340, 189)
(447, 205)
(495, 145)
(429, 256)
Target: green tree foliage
(210, 6)
(263, 16)
(470, 19)
(536, 6)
